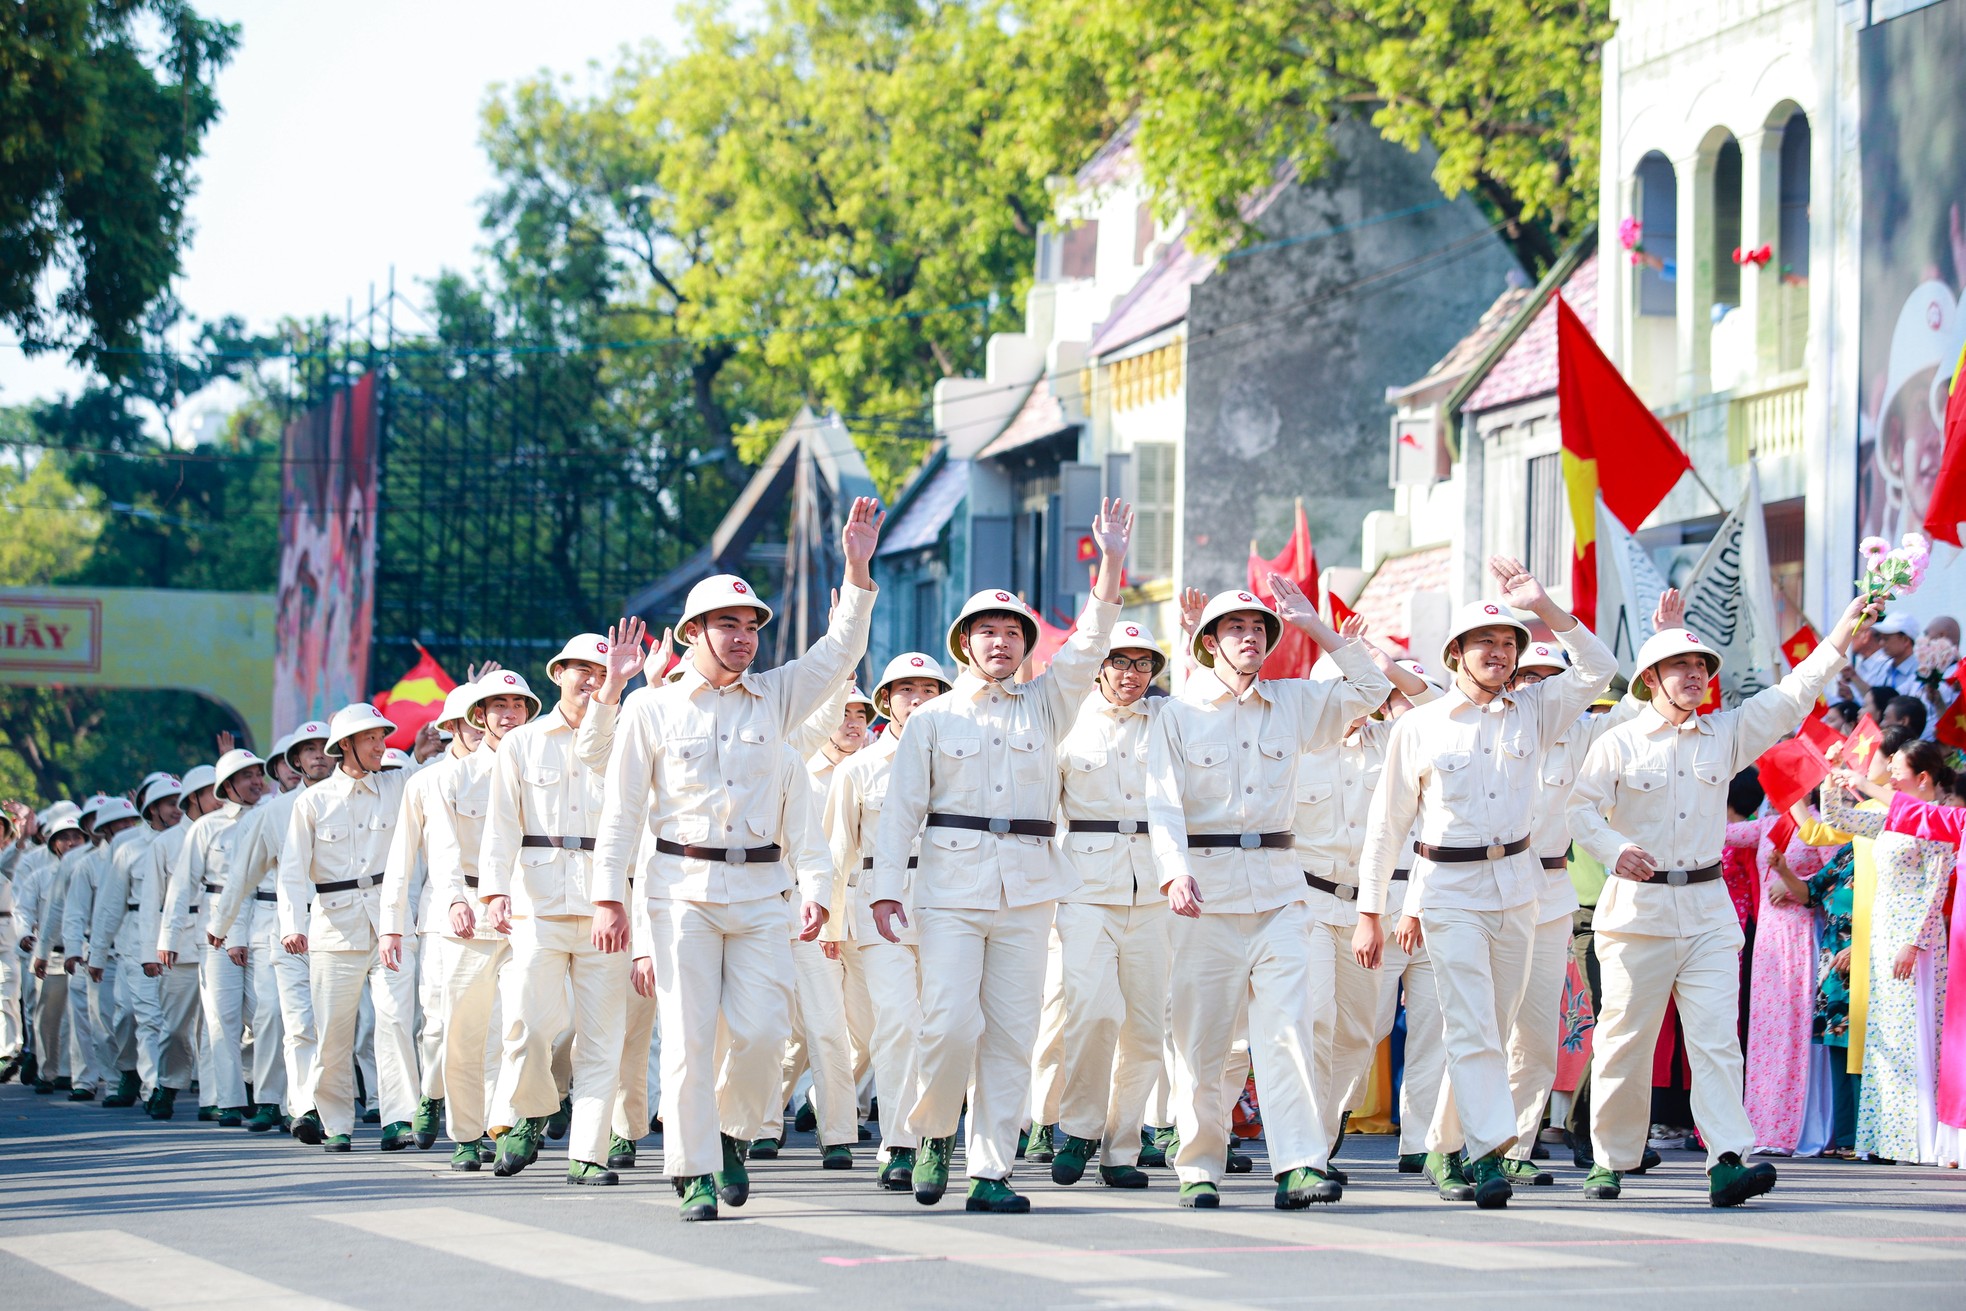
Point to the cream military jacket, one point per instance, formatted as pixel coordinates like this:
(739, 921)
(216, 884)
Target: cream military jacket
(1467, 772)
(30, 876)
(540, 787)
(53, 894)
(1558, 775)
(79, 902)
(163, 851)
(990, 751)
(340, 830)
(456, 835)
(262, 832)
(119, 896)
(1221, 763)
(701, 766)
(1665, 789)
(1102, 771)
(93, 920)
(1334, 795)
(412, 878)
(201, 872)
(854, 801)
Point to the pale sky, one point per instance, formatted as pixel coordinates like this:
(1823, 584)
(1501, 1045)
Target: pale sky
(349, 142)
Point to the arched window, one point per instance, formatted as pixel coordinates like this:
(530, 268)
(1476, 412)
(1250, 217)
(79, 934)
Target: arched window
(1792, 243)
(1658, 212)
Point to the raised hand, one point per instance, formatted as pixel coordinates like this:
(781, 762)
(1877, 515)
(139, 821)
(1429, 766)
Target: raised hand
(225, 742)
(1519, 587)
(664, 653)
(1112, 527)
(1193, 602)
(472, 673)
(1670, 612)
(1292, 606)
(1353, 628)
(861, 534)
(626, 654)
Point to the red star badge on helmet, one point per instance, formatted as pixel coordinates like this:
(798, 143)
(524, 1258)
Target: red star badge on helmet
(1244, 596)
(1490, 610)
(1003, 596)
(601, 647)
(512, 680)
(916, 662)
(1694, 638)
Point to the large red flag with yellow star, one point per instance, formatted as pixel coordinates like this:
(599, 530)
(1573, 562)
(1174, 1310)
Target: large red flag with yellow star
(1613, 445)
(417, 698)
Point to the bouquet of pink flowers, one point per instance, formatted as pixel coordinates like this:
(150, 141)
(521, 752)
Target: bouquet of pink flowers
(1889, 574)
(1937, 658)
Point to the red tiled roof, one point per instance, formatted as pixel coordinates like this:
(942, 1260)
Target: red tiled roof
(1528, 367)
(1468, 351)
(1382, 601)
(1040, 416)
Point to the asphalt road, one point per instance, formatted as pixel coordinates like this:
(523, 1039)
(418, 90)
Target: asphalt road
(104, 1208)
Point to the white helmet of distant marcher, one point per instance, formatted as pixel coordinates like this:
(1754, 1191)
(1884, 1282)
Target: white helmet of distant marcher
(233, 762)
(62, 817)
(1543, 655)
(909, 664)
(92, 805)
(1664, 645)
(499, 682)
(1428, 676)
(162, 787)
(721, 592)
(314, 730)
(1481, 614)
(197, 777)
(396, 758)
(115, 808)
(992, 601)
(590, 647)
(1229, 603)
(350, 720)
(456, 702)
(855, 697)
(1132, 635)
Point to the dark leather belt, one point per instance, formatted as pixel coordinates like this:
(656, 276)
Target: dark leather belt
(349, 885)
(1401, 875)
(265, 896)
(1469, 855)
(131, 905)
(867, 862)
(470, 881)
(1028, 828)
(1105, 826)
(727, 855)
(1556, 862)
(215, 889)
(1247, 841)
(1342, 891)
(568, 844)
(1679, 878)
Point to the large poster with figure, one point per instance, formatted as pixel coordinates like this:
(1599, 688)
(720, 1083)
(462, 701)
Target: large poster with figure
(1914, 273)
(327, 556)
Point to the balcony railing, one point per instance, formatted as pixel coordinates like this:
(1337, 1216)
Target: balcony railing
(1766, 422)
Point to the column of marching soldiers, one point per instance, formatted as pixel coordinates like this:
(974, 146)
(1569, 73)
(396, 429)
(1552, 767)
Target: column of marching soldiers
(1075, 912)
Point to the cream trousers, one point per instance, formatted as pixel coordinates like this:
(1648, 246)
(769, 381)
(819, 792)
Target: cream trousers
(631, 1100)
(269, 1073)
(892, 977)
(1347, 1029)
(222, 993)
(1048, 1053)
(549, 954)
(293, 982)
(339, 980)
(1538, 1025)
(819, 1040)
(469, 970)
(1481, 966)
(1115, 966)
(1425, 1067)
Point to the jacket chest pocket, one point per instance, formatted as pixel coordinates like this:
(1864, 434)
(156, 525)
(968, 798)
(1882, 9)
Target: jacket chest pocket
(1314, 807)
(686, 763)
(958, 765)
(1646, 786)
(1277, 759)
(1515, 759)
(1087, 776)
(748, 752)
(331, 833)
(1558, 770)
(1708, 767)
(1028, 762)
(1208, 771)
(1456, 777)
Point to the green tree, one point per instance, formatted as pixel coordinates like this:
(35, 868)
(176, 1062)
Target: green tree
(105, 104)
(1229, 93)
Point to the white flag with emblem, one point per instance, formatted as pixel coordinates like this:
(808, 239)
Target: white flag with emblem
(1730, 601)
(1628, 587)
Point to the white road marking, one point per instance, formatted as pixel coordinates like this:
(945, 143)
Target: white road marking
(150, 1275)
(587, 1264)
(1724, 1228)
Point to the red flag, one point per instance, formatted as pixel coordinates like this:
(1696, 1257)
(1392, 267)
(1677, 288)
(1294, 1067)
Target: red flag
(416, 700)
(1817, 733)
(1050, 638)
(1951, 728)
(1612, 444)
(1789, 770)
(1862, 744)
(1340, 612)
(1294, 653)
(1800, 643)
(1783, 833)
(1947, 507)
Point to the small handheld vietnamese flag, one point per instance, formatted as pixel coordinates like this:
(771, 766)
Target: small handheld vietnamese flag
(1951, 729)
(1863, 744)
(1340, 612)
(1800, 643)
(1783, 833)
(1817, 733)
(1788, 771)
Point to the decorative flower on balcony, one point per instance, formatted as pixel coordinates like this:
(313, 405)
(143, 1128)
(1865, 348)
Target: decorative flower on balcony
(1758, 258)
(1630, 233)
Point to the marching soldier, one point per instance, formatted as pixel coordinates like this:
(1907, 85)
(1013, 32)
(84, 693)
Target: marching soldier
(889, 968)
(1651, 804)
(978, 772)
(567, 930)
(1223, 791)
(1465, 767)
(699, 800)
(183, 1056)
(113, 1023)
(337, 842)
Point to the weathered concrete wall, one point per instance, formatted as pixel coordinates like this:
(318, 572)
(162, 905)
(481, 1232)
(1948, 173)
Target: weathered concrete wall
(1290, 354)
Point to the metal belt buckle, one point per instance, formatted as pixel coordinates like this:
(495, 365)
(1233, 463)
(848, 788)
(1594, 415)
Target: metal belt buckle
(999, 826)
(737, 856)
(1250, 841)
(1345, 892)
(1676, 878)
(1129, 826)
(1497, 850)
(363, 882)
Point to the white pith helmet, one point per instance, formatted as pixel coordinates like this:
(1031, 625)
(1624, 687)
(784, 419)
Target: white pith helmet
(1132, 635)
(1481, 614)
(350, 720)
(1229, 603)
(1664, 645)
(909, 664)
(721, 592)
(233, 762)
(499, 682)
(991, 601)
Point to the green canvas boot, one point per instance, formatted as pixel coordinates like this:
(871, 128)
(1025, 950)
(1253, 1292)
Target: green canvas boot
(233, 1116)
(464, 1158)
(396, 1135)
(62, 1083)
(208, 1115)
(1041, 1148)
(1412, 1162)
(1236, 1162)
(996, 1197)
(337, 1142)
(1302, 1187)
(931, 1169)
(1068, 1165)
(167, 1105)
(428, 1121)
(1203, 1196)
(898, 1174)
(1444, 1169)
(128, 1085)
(518, 1147)
(1647, 1161)
(591, 1175)
(1491, 1187)
(699, 1198)
(1525, 1172)
(764, 1149)
(487, 1150)
(1602, 1185)
(84, 1094)
(1151, 1154)
(1730, 1183)
(733, 1181)
(266, 1118)
(372, 1115)
(558, 1123)
(307, 1129)
(621, 1152)
(1122, 1176)
(805, 1119)
(837, 1157)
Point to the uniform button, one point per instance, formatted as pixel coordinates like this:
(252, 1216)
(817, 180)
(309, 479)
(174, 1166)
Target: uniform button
(1129, 796)
(1485, 751)
(1245, 746)
(1682, 814)
(1248, 790)
(1491, 797)
(996, 741)
(1000, 788)
(1682, 773)
(730, 782)
(724, 738)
